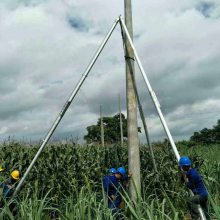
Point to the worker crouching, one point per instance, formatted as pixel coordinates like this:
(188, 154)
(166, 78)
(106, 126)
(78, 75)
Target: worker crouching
(8, 188)
(195, 183)
(112, 183)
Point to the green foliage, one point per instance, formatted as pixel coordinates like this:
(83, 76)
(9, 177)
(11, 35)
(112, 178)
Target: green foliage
(111, 128)
(207, 136)
(66, 181)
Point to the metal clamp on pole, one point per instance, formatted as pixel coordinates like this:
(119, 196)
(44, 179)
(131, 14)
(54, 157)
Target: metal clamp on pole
(132, 58)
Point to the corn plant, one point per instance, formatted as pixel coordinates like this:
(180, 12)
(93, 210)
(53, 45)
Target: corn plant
(65, 182)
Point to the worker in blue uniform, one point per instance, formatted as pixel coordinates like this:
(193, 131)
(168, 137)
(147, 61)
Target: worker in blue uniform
(194, 182)
(112, 185)
(7, 190)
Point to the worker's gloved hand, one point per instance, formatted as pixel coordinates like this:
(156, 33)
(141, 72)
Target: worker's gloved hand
(182, 174)
(129, 174)
(113, 197)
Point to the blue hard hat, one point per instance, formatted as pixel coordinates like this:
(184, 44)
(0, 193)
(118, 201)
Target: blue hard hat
(112, 170)
(184, 161)
(122, 171)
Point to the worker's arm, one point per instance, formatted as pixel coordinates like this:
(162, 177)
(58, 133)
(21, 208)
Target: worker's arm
(192, 181)
(107, 188)
(105, 184)
(127, 177)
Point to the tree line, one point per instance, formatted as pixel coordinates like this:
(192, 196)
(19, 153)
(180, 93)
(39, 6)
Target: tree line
(112, 132)
(111, 129)
(207, 135)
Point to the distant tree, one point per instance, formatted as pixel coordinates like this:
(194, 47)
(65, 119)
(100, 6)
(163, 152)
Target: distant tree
(216, 132)
(111, 129)
(207, 136)
(195, 137)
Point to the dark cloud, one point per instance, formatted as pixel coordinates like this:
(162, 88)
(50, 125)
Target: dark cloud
(206, 8)
(78, 24)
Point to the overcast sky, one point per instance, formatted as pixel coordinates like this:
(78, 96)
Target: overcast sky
(45, 46)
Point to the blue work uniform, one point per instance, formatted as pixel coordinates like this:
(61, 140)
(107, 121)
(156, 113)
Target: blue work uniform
(111, 187)
(200, 197)
(6, 190)
(195, 183)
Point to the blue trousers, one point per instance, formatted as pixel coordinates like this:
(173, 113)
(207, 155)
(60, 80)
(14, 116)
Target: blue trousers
(114, 205)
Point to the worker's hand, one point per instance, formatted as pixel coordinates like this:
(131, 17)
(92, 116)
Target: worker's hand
(181, 169)
(113, 197)
(10, 186)
(185, 178)
(129, 174)
(183, 174)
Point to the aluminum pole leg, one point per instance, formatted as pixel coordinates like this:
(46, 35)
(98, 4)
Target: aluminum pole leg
(66, 106)
(155, 100)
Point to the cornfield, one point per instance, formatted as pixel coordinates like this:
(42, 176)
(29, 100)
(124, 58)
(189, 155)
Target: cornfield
(66, 181)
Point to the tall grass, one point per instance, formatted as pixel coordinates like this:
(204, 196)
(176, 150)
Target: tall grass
(89, 206)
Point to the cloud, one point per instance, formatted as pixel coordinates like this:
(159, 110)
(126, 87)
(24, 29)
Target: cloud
(47, 45)
(78, 24)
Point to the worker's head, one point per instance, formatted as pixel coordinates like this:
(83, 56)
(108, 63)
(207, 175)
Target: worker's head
(185, 163)
(120, 173)
(112, 171)
(15, 175)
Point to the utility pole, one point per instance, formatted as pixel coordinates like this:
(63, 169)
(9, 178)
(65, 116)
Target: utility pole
(133, 143)
(146, 131)
(121, 124)
(102, 128)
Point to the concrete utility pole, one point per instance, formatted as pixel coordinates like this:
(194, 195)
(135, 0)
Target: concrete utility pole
(133, 143)
(102, 128)
(146, 131)
(121, 124)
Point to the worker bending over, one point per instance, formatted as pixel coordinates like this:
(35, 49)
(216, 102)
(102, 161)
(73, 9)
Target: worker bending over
(7, 191)
(112, 184)
(195, 183)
